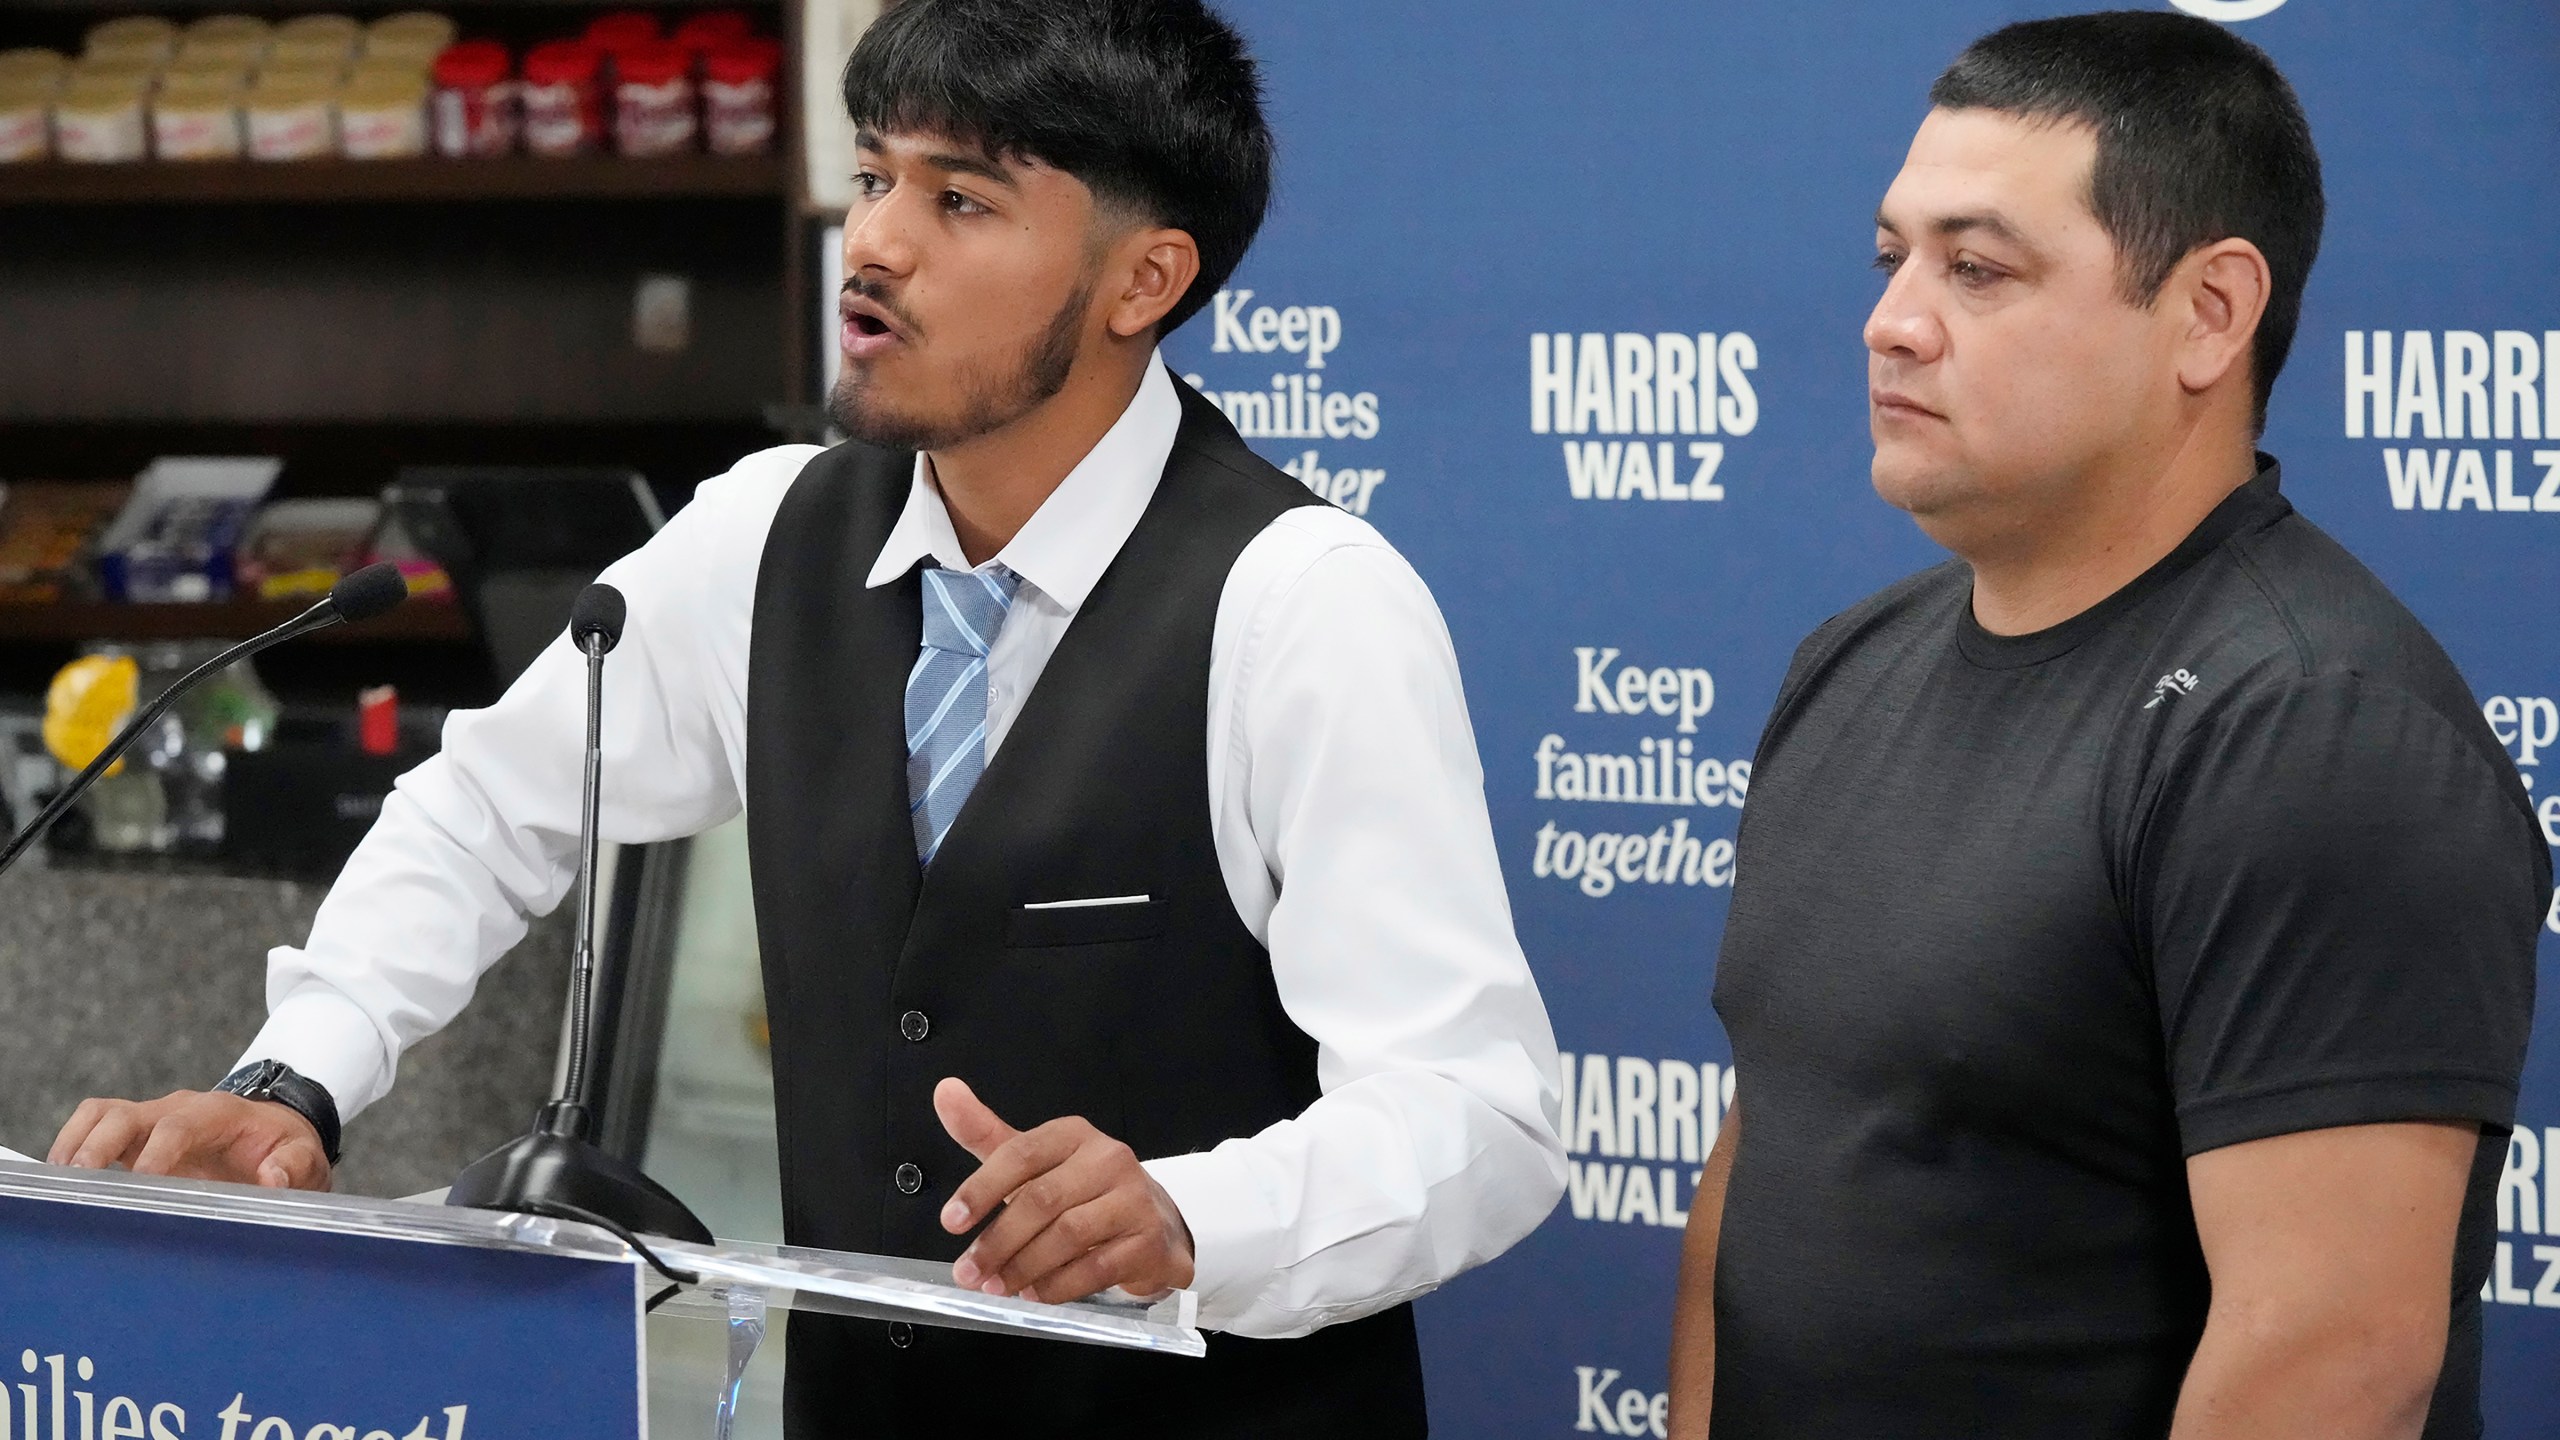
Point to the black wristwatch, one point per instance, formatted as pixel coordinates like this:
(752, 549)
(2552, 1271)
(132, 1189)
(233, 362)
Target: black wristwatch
(275, 1080)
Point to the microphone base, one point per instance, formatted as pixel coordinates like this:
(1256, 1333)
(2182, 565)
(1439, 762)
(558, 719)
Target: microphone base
(536, 1173)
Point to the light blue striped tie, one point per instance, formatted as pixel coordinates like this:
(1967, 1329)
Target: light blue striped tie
(947, 695)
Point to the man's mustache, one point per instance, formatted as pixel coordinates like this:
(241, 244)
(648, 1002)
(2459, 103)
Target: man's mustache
(878, 294)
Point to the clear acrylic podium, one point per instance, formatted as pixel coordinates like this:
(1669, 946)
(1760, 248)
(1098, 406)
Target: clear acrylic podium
(738, 1285)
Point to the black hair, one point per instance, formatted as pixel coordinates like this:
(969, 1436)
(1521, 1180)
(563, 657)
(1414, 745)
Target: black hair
(1154, 104)
(2199, 139)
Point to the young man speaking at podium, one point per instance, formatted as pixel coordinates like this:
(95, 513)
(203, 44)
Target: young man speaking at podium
(1121, 862)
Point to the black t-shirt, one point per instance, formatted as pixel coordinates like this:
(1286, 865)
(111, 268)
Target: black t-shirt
(2022, 922)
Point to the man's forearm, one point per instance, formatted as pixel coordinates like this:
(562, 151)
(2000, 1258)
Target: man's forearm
(1693, 1316)
(2350, 1378)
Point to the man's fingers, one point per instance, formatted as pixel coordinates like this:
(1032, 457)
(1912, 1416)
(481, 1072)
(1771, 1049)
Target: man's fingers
(1033, 1208)
(295, 1165)
(1130, 1261)
(114, 1136)
(170, 1149)
(1096, 1224)
(979, 1130)
(1008, 1168)
(76, 1130)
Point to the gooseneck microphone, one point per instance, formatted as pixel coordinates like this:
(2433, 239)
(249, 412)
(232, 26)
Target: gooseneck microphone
(371, 591)
(555, 1169)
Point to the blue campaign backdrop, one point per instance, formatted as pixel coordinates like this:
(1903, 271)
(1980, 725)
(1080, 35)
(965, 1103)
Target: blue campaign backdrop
(1567, 299)
(117, 1324)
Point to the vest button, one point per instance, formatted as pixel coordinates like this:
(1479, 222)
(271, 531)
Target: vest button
(910, 1179)
(901, 1334)
(914, 1025)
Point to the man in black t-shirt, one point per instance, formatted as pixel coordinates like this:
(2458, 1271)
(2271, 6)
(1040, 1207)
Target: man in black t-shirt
(2132, 949)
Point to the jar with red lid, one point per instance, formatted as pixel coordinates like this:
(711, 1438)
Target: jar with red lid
(618, 30)
(563, 98)
(738, 82)
(653, 100)
(707, 31)
(474, 105)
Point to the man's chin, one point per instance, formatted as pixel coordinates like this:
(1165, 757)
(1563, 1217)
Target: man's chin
(866, 415)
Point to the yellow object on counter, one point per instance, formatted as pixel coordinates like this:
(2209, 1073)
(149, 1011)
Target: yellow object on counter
(88, 700)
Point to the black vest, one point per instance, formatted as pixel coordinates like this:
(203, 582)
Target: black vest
(1159, 1023)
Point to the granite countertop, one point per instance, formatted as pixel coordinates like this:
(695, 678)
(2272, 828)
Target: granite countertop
(133, 984)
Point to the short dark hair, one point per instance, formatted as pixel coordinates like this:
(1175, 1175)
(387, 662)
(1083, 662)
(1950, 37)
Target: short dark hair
(2199, 139)
(1154, 104)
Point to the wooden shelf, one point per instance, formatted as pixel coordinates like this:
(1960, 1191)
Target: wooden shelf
(76, 622)
(519, 177)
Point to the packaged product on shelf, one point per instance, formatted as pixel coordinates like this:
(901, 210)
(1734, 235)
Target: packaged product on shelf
(299, 548)
(175, 538)
(475, 100)
(26, 109)
(46, 530)
(382, 114)
(618, 30)
(195, 115)
(653, 111)
(562, 98)
(709, 30)
(290, 114)
(417, 36)
(738, 82)
(100, 116)
(146, 39)
(308, 40)
(235, 41)
(51, 66)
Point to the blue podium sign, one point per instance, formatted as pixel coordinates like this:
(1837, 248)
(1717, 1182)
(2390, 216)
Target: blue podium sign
(141, 1324)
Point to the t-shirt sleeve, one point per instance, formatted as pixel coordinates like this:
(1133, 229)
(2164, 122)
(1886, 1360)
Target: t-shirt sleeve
(2340, 896)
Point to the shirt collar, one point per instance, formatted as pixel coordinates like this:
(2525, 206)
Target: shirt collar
(1077, 532)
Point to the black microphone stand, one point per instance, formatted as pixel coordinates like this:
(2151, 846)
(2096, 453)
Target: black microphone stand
(556, 1169)
(369, 592)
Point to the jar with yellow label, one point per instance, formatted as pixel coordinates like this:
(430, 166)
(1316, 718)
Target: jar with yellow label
(27, 89)
(413, 36)
(50, 66)
(291, 115)
(382, 114)
(146, 39)
(329, 41)
(196, 116)
(99, 117)
(237, 42)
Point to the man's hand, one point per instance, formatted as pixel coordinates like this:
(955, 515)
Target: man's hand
(201, 1135)
(1080, 1214)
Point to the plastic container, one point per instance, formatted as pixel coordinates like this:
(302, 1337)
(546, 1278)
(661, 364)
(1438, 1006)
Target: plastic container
(292, 115)
(99, 116)
(711, 30)
(382, 115)
(49, 66)
(563, 98)
(145, 39)
(234, 41)
(618, 30)
(475, 110)
(418, 36)
(196, 116)
(653, 100)
(316, 40)
(738, 86)
(26, 117)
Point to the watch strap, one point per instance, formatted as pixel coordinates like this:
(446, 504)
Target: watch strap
(276, 1081)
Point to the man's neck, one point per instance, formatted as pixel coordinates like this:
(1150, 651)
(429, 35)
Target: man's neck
(2113, 528)
(992, 485)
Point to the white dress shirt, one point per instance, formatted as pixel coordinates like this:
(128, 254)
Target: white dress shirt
(1349, 820)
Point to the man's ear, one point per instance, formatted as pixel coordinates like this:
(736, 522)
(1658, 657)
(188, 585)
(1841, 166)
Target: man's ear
(1153, 269)
(2222, 289)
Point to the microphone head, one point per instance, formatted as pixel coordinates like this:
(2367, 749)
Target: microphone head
(598, 614)
(373, 590)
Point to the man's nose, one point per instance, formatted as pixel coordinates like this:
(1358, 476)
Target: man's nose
(879, 236)
(1903, 324)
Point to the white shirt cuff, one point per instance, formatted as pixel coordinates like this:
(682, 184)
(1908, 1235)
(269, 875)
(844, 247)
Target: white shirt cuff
(328, 1038)
(1235, 1240)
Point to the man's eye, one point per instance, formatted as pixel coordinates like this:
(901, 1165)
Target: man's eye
(866, 184)
(1888, 261)
(1973, 274)
(958, 203)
